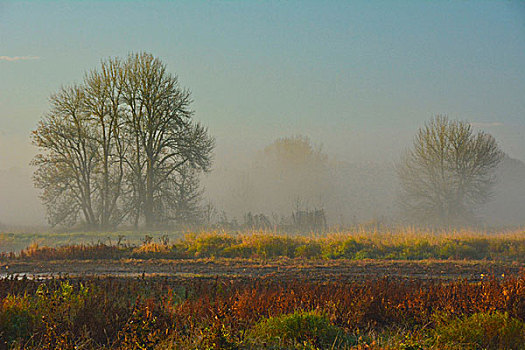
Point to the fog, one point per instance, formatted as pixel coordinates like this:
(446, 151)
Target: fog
(351, 190)
(357, 79)
(255, 178)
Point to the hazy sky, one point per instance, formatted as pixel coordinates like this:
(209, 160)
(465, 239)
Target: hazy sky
(358, 77)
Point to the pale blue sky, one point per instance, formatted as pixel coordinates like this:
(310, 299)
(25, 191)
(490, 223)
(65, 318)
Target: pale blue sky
(358, 77)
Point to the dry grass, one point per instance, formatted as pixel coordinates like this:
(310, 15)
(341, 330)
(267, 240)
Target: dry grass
(406, 244)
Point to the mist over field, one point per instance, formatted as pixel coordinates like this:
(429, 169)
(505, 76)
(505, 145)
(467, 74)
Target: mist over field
(355, 81)
(351, 190)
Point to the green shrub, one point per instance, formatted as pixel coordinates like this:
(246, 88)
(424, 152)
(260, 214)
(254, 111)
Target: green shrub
(269, 246)
(308, 330)
(418, 250)
(483, 330)
(350, 248)
(238, 251)
(212, 245)
(216, 337)
(347, 248)
(16, 319)
(456, 249)
(365, 254)
(310, 250)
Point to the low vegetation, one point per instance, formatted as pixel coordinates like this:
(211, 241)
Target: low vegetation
(164, 313)
(407, 245)
(270, 312)
(483, 330)
(308, 330)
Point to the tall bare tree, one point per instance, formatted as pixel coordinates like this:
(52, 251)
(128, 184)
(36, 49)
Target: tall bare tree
(163, 136)
(103, 90)
(116, 145)
(448, 173)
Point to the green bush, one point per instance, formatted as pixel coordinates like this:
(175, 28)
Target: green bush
(456, 249)
(275, 246)
(238, 251)
(307, 330)
(212, 245)
(483, 330)
(216, 337)
(310, 250)
(347, 248)
(16, 320)
(418, 250)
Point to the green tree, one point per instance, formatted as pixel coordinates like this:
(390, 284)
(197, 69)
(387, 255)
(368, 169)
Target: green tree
(448, 173)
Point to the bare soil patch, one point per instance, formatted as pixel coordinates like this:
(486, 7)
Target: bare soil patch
(283, 269)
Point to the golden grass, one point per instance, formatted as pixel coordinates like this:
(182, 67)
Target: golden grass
(403, 243)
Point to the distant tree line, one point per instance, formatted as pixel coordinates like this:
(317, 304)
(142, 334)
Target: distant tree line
(122, 146)
(444, 179)
(304, 220)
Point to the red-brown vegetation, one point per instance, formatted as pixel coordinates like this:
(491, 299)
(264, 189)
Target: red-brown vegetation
(219, 313)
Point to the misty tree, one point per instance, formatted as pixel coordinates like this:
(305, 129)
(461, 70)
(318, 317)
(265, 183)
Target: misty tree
(162, 135)
(295, 153)
(66, 169)
(102, 100)
(448, 173)
(181, 198)
(299, 169)
(123, 144)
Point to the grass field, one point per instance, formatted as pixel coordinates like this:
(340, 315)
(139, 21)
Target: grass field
(406, 244)
(15, 241)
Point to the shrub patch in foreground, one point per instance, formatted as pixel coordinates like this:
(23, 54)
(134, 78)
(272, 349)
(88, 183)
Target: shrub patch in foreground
(483, 330)
(307, 330)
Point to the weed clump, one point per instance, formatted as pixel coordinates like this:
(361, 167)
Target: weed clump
(482, 330)
(300, 330)
(16, 319)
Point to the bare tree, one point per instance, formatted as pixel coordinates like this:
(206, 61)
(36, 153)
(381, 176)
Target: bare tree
(448, 173)
(162, 134)
(69, 159)
(119, 145)
(181, 198)
(81, 167)
(103, 90)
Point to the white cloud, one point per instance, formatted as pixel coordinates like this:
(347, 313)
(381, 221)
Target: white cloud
(18, 58)
(486, 125)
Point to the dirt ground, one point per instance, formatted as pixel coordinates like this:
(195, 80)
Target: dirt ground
(320, 270)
